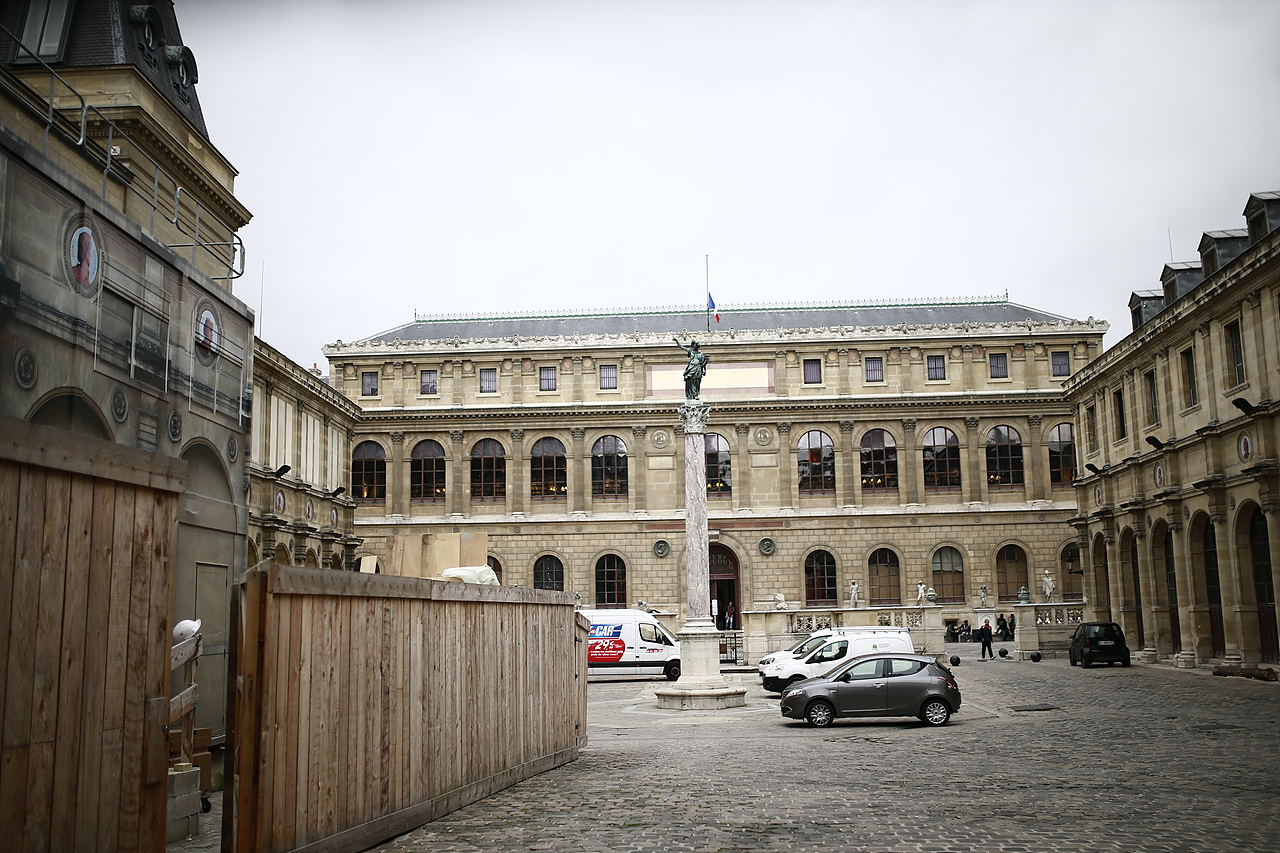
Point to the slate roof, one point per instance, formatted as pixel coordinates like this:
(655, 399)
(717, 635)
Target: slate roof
(101, 35)
(674, 320)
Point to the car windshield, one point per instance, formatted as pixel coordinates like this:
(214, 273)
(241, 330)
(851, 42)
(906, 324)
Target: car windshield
(808, 645)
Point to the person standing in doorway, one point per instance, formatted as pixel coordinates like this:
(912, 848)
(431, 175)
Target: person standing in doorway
(984, 637)
(728, 616)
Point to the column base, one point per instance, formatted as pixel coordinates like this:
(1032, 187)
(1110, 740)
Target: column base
(701, 686)
(700, 698)
(1185, 660)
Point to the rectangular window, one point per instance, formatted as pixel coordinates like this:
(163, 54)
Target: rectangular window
(429, 384)
(369, 383)
(1061, 363)
(546, 379)
(1190, 393)
(1153, 399)
(1091, 427)
(999, 365)
(1117, 406)
(937, 366)
(1235, 354)
(488, 380)
(45, 29)
(812, 371)
(608, 377)
(875, 368)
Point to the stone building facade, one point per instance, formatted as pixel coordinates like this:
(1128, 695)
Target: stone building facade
(887, 444)
(300, 463)
(1177, 435)
(118, 251)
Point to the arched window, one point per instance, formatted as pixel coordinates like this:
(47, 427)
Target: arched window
(886, 578)
(369, 473)
(609, 468)
(548, 573)
(817, 463)
(718, 474)
(1072, 574)
(495, 564)
(820, 580)
(879, 462)
(1062, 455)
(1004, 457)
(1011, 572)
(948, 574)
(547, 480)
(611, 581)
(941, 451)
(488, 471)
(426, 472)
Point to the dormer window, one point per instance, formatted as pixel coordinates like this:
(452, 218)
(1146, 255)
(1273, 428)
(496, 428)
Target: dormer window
(148, 32)
(44, 30)
(182, 69)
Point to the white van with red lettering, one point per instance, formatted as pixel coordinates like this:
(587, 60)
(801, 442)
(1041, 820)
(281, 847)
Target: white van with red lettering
(630, 642)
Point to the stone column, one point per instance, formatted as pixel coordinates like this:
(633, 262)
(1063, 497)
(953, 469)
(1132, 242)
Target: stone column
(579, 473)
(458, 491)
(788, 471)
(909, 468)
(974, 474)
(518, 492)
(701, 686)
(741, 470)
(846, 491)
(1034, 471)
(638, 459)
(397, 476)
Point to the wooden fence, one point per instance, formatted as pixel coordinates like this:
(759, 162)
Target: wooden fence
(87, 531)
(371, 704)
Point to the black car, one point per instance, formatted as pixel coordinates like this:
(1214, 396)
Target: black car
(1098, 642)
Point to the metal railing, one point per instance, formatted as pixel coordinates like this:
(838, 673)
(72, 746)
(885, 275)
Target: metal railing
(219, 241)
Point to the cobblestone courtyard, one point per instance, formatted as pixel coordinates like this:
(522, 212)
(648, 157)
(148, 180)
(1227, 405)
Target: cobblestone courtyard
(1146, 758)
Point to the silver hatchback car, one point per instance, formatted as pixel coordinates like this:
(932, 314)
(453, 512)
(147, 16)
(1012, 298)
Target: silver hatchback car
(878, 685)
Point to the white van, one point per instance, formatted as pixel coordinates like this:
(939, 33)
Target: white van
(630, 642)
(842, 644)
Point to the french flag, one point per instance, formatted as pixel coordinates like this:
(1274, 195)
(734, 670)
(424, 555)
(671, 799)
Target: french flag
(711, 307)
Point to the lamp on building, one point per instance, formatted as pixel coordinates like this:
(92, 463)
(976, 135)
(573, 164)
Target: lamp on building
(337, 491)
(1155, 442)
(1071, 567)
(282, 470)
(1245, 406)
(1093, 468)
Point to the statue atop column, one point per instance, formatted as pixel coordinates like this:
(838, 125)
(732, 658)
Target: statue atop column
(695, 370)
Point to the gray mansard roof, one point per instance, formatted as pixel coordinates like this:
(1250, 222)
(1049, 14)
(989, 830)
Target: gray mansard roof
(669, 321)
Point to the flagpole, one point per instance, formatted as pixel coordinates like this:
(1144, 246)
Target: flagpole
(708, 293)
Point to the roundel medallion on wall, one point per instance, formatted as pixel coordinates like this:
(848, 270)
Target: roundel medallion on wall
(310, 510)
(1097, 495)
(660, 438)
(119, 405)
(207, 333)
(333, 517)
(767, 546)
(233, 448)
(82, 255)
(175, 426)
(25, 370)
(1244, 446)
(763, 435)
(280, 502)
(661, 548)
(1159, 476)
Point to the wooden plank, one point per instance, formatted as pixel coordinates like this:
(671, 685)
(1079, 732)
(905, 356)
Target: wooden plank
(95, 634)
(153, 796)
(21, 667)
(109, 799)
(304, 726)
(60, 450)
(343, 780)
(117, 647)
(10, 477)
(269, 716)
(67, 752)
(291, 580)
(135, 676)
(287, 805)
(182, 704)
(279, 794)
(184, 651)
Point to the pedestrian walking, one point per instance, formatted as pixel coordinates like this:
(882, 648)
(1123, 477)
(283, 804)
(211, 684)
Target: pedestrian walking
(984, 637)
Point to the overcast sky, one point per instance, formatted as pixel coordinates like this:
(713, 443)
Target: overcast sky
(477, 156)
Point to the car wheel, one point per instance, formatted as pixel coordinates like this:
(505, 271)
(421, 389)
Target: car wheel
(935, 712)
(795, 679)
(1085, 662)
(1073, 658)
(1124, 662)
(820, 713)
(672, 672)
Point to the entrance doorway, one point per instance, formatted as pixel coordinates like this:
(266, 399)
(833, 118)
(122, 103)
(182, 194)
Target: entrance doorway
(723, 572)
